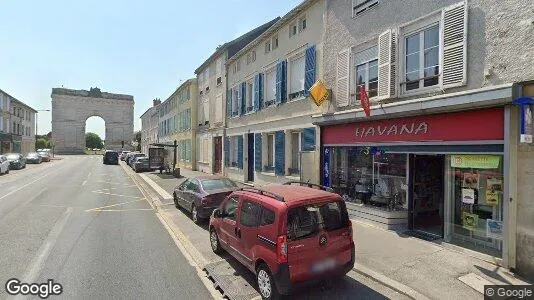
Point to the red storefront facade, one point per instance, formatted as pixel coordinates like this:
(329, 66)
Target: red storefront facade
(440, 175)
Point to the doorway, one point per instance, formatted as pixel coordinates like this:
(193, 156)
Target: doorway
(250, 164)
(217, 156)
(427, 193)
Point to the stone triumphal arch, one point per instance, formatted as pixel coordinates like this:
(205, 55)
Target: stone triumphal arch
(71, 108)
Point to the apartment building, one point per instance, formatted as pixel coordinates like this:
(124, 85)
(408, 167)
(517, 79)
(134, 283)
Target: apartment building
(438, 152)
(270, 136)
(149, 126)
(211, 78)
(17, 125)
(184, 101)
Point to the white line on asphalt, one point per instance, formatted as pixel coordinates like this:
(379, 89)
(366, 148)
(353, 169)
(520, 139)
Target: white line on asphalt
(20, 188)
(156, 187)
(37, 264)
(84, 182)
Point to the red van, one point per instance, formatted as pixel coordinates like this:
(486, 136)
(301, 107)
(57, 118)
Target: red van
(286, 235)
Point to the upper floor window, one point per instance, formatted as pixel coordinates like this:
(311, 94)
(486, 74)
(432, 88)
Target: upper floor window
(366, 72)
(270, 87)
(234, 101)
(250, 92)
(361, 6)
(422, 58)
(293, 29)
(274, 42)
(302, 23)
(268, 46)
(296, 77)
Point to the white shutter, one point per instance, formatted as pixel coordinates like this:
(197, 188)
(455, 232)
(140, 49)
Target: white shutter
(218, 108)
(342, 78)
(454, 19)
(387, 64)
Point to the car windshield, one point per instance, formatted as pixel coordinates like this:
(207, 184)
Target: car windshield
(32, 154)
(42, 153)
(12, 156)
(217, 184)
(305, 221)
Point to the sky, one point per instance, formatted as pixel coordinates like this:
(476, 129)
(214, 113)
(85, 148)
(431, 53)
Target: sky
(140, 48)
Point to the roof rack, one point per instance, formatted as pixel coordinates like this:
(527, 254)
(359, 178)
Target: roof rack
(310, 185)
(263, 192)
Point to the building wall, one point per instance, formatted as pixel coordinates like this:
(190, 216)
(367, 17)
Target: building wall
(498, 35)
(293, 115)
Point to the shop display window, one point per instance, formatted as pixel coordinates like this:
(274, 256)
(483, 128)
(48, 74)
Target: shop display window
(370, 176)
(476, 188)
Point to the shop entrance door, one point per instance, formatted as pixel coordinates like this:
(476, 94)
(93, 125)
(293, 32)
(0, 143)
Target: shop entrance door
(427, 193)
(217, 142)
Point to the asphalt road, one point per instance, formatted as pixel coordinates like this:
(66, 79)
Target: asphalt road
(87, 226)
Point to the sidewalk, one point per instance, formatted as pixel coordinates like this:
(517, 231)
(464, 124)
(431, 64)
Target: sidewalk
(414, 267)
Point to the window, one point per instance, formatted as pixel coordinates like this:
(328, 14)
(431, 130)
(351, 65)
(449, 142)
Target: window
(249, 59)
(293, 29)
(361, 6)
(270, 150)
(267, 46)
(235, 68)
(192, 185)
(267, 217)
(296, 81)
(234, 101)
(218, 68)
(306, 221)
(270, 87)
(217, 184)
(233, 151)
(422, 59)
(274, 42)
(250, 214)
(230, 208)
(295, 149)
(250, 92)
(302, 23)
(366, 72)
(253, 56)
(238, 65)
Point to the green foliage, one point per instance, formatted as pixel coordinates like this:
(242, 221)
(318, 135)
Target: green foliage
(137, 137)
(41, 143)
(92, 140)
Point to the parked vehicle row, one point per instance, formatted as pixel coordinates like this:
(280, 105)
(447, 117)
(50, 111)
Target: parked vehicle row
(111, 157)
(287, 235)
(17, 161)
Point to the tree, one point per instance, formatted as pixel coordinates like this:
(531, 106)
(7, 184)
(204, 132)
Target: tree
(92, 140)
(41, 143)
(138, 140)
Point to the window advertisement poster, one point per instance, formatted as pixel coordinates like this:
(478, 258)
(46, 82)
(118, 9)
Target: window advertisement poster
(471, 180)
(493, 190)
(475, 161)
(469, 221)
(468, 196)
(494, 229)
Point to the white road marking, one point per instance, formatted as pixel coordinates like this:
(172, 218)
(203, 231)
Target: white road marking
(84, 182)
(163, 193)
(20, 188)
(37, 264)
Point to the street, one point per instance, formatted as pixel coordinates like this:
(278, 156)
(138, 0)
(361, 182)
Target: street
(88, 227)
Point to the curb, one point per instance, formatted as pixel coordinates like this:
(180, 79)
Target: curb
(358, 268)
(390, 283)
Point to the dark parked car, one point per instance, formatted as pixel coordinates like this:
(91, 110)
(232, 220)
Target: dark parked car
(33, 158)
(287, 236)
(111, 157)
(133, 157)
(202, 195)
(16, 161)
(45, 155)
(141, 164)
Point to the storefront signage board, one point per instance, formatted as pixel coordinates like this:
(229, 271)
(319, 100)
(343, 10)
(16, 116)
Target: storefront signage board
(526, 106)
(475, 161)
(476, 125)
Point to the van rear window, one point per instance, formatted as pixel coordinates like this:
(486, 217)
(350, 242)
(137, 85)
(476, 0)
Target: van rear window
(306, 221)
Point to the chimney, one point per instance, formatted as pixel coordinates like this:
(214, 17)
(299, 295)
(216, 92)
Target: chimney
(156, 102)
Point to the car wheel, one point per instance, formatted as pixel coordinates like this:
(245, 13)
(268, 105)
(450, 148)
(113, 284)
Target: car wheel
(266, 284)
(214, 241)
(194, 214)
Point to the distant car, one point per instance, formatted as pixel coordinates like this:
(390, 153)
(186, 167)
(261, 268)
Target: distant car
(202, 195)
(111, 157)
(4, 165)
(123, 155)
(128, 157)
(33, 158)
(45, 156)
(16, 161)
(141, 164)
(133, 158)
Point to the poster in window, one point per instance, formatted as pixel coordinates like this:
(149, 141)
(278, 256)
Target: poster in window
(494, 229)
(468, 196)
(470, 181)
(469, 221)
(492, 198)
(494, 185)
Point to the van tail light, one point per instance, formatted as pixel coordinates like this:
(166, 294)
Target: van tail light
(281, 247)
(205, 200)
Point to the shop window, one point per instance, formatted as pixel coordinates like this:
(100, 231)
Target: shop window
(476, 212)
(370, 176)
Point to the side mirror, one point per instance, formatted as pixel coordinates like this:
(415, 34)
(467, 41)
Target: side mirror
(217, 213)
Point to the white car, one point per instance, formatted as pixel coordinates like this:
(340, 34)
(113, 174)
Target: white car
(4, 165)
